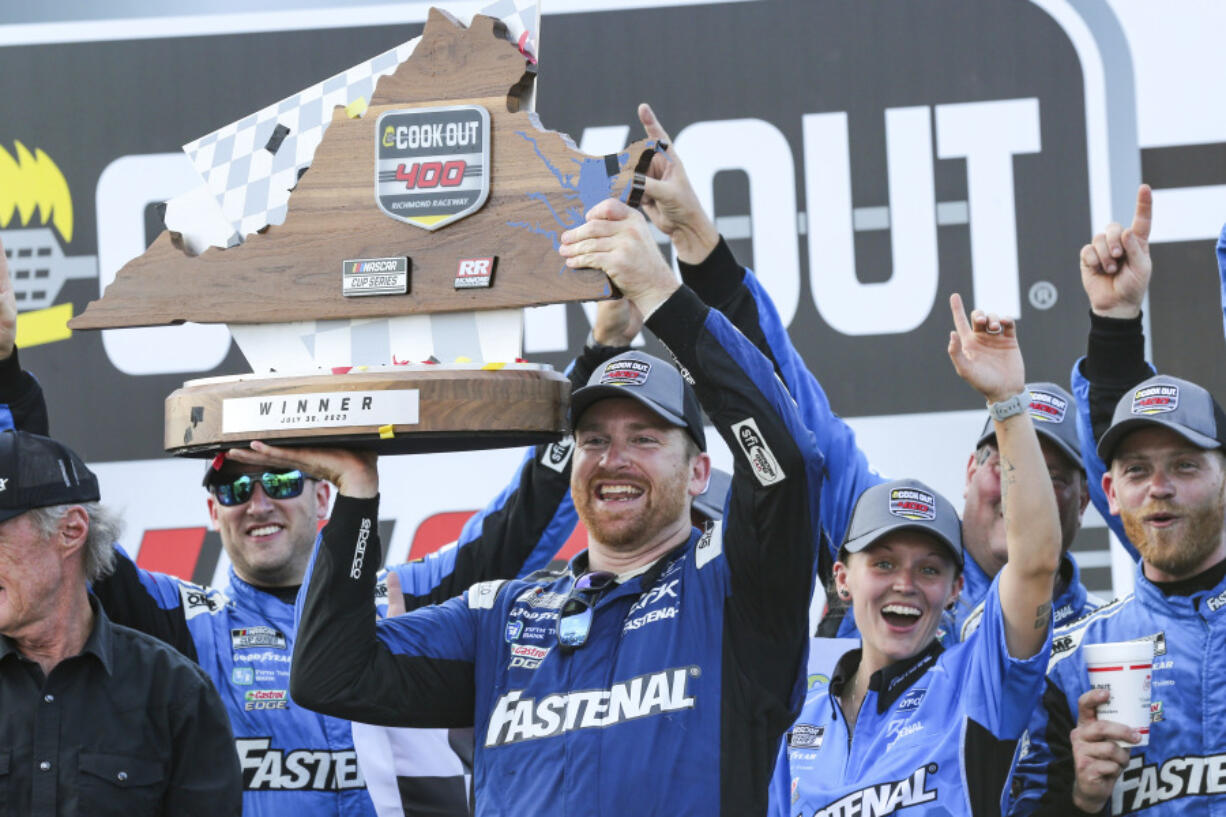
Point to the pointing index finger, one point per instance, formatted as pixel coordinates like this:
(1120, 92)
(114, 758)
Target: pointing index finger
(961, 324)
(1144, 216)
(651, 124)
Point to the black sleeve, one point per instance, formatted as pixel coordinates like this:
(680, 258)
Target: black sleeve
(21, 394)
(340, 667)
(1114, 363)
(768, 539)
(719, 281)
(128, 601)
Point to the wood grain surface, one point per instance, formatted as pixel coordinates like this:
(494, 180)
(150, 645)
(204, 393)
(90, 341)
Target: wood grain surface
(457, 410)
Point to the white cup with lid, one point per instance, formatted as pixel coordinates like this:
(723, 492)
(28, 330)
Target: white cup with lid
(1125, 668)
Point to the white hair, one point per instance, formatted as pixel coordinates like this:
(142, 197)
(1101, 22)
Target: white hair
(104, 530)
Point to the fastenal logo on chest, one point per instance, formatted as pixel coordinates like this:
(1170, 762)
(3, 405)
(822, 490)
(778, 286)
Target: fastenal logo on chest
(516, 718)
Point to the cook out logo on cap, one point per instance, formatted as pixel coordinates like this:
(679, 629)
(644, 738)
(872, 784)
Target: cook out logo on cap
(1046, 407)
(625, 373)
(1155, 400)
(910, 503)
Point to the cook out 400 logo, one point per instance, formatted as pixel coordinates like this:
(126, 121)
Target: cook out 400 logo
(431, 164)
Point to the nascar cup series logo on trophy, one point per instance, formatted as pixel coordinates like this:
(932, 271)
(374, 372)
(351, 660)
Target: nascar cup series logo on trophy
(389, 314)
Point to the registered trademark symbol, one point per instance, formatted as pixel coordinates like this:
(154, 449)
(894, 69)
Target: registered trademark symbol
(1043, 295)
(695, 672)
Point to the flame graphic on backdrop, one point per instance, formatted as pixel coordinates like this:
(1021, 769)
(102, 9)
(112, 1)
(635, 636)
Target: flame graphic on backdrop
(33, 181)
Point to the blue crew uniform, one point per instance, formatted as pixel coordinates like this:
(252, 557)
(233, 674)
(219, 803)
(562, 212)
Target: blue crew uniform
(934, 735)
(1183, 769)
(693, 668)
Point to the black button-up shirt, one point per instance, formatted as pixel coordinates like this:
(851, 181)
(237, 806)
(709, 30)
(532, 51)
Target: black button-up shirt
(128, 727)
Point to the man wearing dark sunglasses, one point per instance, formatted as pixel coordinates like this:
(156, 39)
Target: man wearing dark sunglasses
(263, 517)
(657, 672)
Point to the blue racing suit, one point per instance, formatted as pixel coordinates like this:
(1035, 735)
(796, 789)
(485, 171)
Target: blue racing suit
(1183, 769)
(295, 761)
(693, 668)
(934, 735)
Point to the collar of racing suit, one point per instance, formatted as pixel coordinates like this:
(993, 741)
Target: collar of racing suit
(1202, 602)
(1207, 579)
(650, 572)
(889, 682)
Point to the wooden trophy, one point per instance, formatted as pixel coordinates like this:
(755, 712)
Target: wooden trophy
(440, 201)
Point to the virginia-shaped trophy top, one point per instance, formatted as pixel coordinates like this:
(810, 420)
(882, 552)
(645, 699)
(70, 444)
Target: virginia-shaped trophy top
(437, 199)
(449, 151)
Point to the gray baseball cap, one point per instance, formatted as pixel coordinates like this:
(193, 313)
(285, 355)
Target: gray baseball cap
(710, 503)
(1183, 407)
(651, 381)
(1054, 412)
(903, 504)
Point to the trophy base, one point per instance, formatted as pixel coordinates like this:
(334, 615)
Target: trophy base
(412, 409)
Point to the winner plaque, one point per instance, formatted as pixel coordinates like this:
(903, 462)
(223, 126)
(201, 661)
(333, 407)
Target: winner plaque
(385, 309)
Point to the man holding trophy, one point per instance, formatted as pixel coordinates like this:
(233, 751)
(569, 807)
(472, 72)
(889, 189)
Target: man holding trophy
(660, 668)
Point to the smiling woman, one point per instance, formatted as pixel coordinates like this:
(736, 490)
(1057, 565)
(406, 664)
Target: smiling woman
(902, 721)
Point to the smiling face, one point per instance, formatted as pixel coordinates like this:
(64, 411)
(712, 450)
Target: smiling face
(899, 587)
(269, 541)
(1171, 497)
(983, 521)
(634, 475)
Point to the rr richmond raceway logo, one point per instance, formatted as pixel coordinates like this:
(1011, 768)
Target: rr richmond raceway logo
(886, 798)
(516, 718)
(1141, 786)
(266, 769)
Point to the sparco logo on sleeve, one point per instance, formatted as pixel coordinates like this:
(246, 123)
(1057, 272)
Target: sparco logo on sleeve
(516, 718)
(266, 769)
(1143, 785)
(761, 459)
(359, 550)
(886, 798)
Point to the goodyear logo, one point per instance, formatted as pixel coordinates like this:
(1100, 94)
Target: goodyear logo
(911, 503)
(1155, 400)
